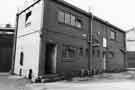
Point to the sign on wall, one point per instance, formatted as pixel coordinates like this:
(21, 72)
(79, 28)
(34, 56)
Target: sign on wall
(104, 42)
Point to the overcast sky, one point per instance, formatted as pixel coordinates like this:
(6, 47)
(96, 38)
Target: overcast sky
(118, 12)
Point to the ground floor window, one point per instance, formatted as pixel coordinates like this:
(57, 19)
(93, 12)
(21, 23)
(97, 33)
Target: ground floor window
(96, 52)
(68, 51)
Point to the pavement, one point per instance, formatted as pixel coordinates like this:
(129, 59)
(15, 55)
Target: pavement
(106, 81)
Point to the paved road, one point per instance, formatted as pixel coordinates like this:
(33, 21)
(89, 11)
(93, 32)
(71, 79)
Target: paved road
(122, 85)
(119, 81)
(8, 82)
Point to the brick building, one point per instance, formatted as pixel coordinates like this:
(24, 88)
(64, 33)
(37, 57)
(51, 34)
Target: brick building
(54, 36)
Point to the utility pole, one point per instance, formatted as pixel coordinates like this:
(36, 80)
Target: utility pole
(90, 31)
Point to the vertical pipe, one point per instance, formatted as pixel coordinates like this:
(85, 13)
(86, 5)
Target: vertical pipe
(125, 53)
(91, 39)
(90, 62)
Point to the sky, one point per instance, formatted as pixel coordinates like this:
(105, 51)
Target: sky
(118, 12)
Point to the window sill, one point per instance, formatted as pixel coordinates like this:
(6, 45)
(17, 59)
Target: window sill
(68, 25)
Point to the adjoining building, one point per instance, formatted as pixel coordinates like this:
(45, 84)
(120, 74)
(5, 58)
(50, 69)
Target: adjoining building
(130, 41)
(6, 46)
(54, 36)
(109, 47)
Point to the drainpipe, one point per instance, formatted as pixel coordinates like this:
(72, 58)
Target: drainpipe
(125, 53)
(90, 61)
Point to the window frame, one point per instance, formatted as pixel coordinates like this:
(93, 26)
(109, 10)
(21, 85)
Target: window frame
(58, 16)
(64, 46)
(70, 21)
(114, 35)
(26, 18)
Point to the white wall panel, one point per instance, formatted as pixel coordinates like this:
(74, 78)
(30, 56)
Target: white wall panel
(35, 19)
(29, 45)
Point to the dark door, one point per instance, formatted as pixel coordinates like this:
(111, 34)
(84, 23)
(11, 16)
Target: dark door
(5, 59)
(50, 60)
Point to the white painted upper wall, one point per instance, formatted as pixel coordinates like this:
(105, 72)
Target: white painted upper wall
(33, 22)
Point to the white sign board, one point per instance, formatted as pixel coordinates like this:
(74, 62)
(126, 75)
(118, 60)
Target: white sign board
(104, 42)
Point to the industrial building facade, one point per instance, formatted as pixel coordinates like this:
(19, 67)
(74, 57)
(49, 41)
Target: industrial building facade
(54, 36)
(130, 41)
(6, 46)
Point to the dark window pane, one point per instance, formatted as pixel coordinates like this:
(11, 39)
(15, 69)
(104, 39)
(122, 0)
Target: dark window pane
(28, 15)
(68, 51)
(21, 58)
(27, 18)
(78, 23)
(61, 16)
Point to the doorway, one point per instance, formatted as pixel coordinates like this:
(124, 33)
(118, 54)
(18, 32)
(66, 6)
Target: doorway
(50, 58)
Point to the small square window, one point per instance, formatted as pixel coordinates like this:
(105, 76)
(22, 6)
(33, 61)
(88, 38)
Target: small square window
(27, 18)
(113, 35)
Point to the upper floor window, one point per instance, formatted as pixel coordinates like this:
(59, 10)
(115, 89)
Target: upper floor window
(61, 16)
(68, 18)
(72, 20)
(113, 35)
(78, 23)
(27, 18)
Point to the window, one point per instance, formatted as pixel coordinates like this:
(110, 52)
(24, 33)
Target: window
(27, 18)
(110, 55)
(68, 18)
(96, 52)
(78, 23)
(28, 15)
(72, 20)
(68, 51)
(113, 35)
(80, 51)
(61, 16)
(21, 58)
